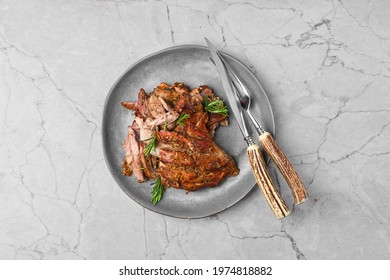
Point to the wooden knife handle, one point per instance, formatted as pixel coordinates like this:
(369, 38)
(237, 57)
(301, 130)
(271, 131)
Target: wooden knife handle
(285, 167)
(263, 179)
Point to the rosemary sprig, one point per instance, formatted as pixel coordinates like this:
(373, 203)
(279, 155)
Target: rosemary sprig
(157, 192)
(215, 106)
(151, 146)
(180, 120)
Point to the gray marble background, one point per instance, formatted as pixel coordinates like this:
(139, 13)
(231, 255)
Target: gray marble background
(324, 64)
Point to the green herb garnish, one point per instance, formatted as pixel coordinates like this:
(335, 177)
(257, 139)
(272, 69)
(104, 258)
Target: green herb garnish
(151, 146)
(180, 120)
(165, 125)
(215, 106)
(158, 191)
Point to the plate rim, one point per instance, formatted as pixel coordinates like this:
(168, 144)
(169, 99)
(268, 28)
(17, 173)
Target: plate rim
(104, 120)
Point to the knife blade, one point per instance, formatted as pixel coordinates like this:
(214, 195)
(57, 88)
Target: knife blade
(228, 87)
(255, 157)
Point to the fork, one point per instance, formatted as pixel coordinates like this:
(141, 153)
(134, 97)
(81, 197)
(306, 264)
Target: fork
(268, 142)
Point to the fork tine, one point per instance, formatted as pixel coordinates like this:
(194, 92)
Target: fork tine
(242, 86)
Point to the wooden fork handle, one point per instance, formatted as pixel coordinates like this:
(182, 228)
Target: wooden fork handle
(290, 175)
(263, 179)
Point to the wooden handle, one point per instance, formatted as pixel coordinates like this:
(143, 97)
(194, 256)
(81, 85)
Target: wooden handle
(265, 183)
(285, 167)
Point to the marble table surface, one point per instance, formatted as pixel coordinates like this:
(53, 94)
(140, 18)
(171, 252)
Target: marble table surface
(324, 64)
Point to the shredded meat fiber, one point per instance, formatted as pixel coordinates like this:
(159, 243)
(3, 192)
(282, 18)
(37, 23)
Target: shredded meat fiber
(185, 155)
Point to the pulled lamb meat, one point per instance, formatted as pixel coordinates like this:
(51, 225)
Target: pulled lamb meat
(185, 156)
(133, 149)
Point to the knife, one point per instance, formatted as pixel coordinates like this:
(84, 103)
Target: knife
(268, 142)
(255, 157)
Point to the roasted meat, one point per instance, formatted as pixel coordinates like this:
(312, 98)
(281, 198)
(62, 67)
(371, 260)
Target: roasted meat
(133, 149)
(184, 154)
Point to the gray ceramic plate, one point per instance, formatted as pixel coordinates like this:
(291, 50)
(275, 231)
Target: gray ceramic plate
(189, 64)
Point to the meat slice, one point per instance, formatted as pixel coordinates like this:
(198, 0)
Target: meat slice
(214, 121)
(142, 106)
(130, 105)
(150, 165)
(170, 93)
(156, 109)
(132, 162)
